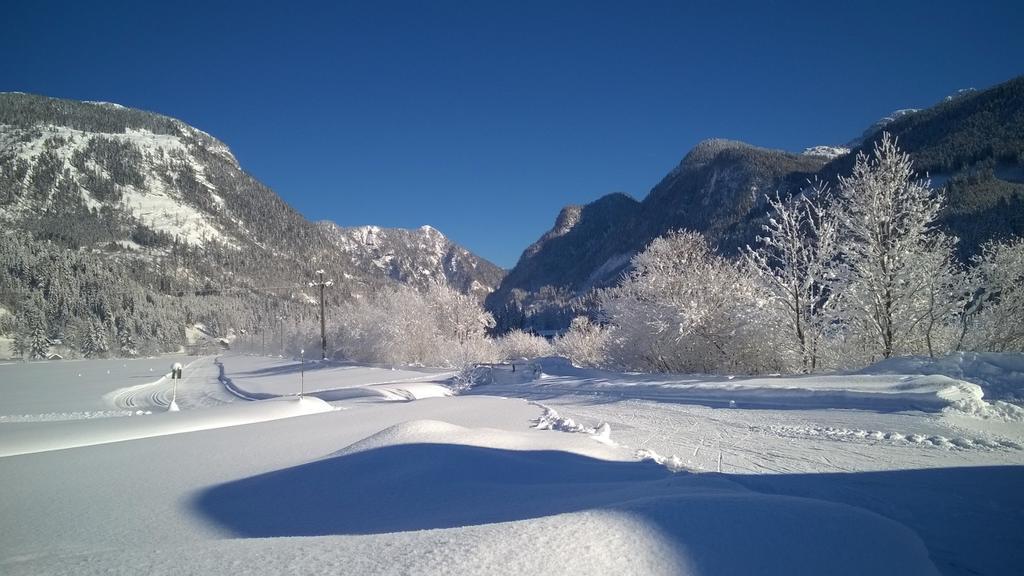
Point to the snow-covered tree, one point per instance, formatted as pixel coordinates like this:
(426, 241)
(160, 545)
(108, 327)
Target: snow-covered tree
(38, 341)
(404, 326)
(519, 345)
(887, 218)
(685, 309)
(20, 340)
(461, 325)
(94, 343)
(796, 261)
(948, 289)
(125, 337)
(997, 323)
(584, 344)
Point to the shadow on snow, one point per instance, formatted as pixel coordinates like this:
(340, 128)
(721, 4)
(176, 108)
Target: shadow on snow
(969, 518)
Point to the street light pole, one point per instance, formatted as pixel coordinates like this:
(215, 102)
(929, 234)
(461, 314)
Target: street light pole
(323, 320)
(280, 320)
(302, 372)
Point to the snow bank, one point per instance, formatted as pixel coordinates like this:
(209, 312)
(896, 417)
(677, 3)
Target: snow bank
(30, 438)
(1001, 375)
(862, 391)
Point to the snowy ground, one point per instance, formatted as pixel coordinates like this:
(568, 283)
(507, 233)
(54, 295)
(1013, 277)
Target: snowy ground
(379, 471)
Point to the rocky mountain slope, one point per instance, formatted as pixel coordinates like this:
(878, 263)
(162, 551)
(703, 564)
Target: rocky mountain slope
(971, 144)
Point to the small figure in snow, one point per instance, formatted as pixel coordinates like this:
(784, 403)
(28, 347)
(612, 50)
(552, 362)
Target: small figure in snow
(176, 371)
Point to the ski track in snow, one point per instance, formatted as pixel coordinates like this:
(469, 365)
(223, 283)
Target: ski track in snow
(198, 388)
(684, 431)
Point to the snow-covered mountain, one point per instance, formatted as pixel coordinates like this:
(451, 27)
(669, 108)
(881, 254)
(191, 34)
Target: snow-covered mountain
(878, 125)
(971, 144)
(149, 181)
(413, 256)
(99, 194)
(828, 152)
(714, 189)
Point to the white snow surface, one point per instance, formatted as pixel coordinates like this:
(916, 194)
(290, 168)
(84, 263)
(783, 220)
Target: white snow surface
(586, 472)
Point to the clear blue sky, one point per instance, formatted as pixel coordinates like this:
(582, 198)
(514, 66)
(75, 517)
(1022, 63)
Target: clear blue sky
(484, 118)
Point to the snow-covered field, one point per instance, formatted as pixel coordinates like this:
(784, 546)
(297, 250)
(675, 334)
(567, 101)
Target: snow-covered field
(909, 468)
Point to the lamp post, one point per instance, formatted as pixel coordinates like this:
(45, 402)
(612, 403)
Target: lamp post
(302, 372)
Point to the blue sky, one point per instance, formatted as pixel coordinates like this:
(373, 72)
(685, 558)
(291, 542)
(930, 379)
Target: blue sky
(484, 118)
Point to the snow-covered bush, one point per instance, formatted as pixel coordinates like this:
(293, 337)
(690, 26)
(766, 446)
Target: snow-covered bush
(404, 326)
(685, 309)
(519, 345)
(584, 344)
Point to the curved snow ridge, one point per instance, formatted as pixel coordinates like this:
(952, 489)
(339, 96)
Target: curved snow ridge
(229, 385)
(79, 433)
(415, 387)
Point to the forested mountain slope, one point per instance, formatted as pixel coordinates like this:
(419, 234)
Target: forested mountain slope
(137, 225)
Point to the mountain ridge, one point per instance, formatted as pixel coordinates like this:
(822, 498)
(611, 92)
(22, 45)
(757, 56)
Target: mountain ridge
(972, 144)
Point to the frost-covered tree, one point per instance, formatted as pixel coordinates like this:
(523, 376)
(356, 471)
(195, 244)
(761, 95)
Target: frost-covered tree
(948, 288)
(519, 345)
(584, 344)
(683, 308)
(461, 325)
(887, 218)
(796, 260)
(405, 326)
(997, 323)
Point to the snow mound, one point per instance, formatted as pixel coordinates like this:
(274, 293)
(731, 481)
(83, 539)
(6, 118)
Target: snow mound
(437, 432)
(429, 478)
